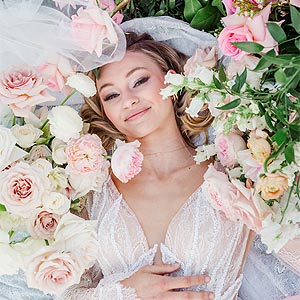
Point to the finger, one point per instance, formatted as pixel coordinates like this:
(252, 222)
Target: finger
(189, 295)
(185, 281)
(161, 268)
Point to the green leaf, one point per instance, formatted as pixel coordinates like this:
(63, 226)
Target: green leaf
(240, 81)
(219, 5)
(222, 75)
(206, 18)
(217, 83)
(230, 105)
(295, 17)
(2, 207)
(297, 43)
(250, 47)
(172, 4)
(191, 7)
(280, 136)
(281, 60)
(269, 121)
(289, 153)
(276, 32)
(280, 76)
(261, 108)
(262, 64)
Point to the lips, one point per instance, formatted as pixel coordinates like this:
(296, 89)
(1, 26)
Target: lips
(136, 113)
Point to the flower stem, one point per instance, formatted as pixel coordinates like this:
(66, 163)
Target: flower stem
(119, 7)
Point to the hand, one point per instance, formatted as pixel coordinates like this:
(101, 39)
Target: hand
(150, 284)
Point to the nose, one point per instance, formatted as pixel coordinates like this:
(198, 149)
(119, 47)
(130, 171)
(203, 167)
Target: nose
(130, 99)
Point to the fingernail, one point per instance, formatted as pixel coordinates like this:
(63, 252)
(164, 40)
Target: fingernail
(207, 279)
(211, 296)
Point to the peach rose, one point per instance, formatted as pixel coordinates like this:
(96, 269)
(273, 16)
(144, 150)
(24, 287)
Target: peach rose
(260, 149)
(245, 29)
(227, 147)
(272, 186)
(22, 188)
(52, 271)
(91, 28)
(22, 88)
(126, 161)
(42, 223)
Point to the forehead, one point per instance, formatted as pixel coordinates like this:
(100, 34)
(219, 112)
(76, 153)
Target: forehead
(130, 61)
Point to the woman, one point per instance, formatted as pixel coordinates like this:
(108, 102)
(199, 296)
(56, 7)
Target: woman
(159, 223)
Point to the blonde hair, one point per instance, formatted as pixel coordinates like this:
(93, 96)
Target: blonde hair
(166, 58)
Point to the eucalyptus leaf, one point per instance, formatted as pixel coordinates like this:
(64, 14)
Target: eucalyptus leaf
(295, 17)
(206, 18)
(230, 105)
(289, 153)
(191, 7)
(276, 32)
(240, 81)
(2, 207)
(281, 60)
(250, 47)
(262, 64)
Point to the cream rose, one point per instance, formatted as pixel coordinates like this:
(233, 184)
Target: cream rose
(26, 135)
(22, 188)
(52, 271)
(38, 151)
(83, 84)
(272, 186)
(65, 123)
(59, 151)
(57, 203)
(58, 179)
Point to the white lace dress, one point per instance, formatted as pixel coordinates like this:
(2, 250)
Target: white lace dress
(199, 238)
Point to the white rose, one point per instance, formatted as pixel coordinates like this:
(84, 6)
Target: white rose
(58, 180)
(204, 74)
(38, 151)
(26, 134)
(59, 151)
(8, 150)
(83, 84)
(9, 221)
(56, 202)
(10, 260)
(195, 106)
(43, 165)
(6, 115)
(65, 122)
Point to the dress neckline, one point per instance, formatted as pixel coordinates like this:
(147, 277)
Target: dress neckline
(190, 199)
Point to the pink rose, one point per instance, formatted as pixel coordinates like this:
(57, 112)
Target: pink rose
(22, 188)
(227, 147)
(201, 58)
(109, 6)
(52, 271)
(230, 9)
(232, 198)
(295, 3)
(85, 154)
(43, 223)
(92, 28)
(55, 73)
(245, 29)
(126, 161)
(22, 88)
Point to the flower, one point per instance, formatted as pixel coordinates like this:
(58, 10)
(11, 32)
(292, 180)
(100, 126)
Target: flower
(65, 123)
(26, 134)
(22, 88)
(56, 202)
(91, 27)
(82, 83)
(52, 271)
(59, 151)
(6, 115)
(109, 5)
(126, 161)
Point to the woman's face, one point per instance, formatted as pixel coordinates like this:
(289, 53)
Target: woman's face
(130, 94)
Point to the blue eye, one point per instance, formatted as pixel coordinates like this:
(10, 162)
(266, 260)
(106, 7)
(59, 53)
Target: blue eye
(141, 81)
(111, 96)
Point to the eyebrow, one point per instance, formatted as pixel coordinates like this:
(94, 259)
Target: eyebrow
(127, 75)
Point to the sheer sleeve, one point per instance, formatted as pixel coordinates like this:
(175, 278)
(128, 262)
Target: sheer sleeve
(93, 287)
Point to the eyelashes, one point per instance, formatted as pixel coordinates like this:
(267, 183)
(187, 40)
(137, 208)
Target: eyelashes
(139, 82)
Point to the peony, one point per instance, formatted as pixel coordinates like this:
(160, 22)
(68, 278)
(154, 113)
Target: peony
(245, 29)
(22, 188)
(52, 271)
(83, 84)
(42, 223)
(227, 147)
(26, 135)
(272, 186)
(79, 236)
(22, 88)
(8, 150)
(65, 123)
(57, 203)
(59, 151)
(201, 58)
(85, 154)
(92, 28)
(126, 161)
